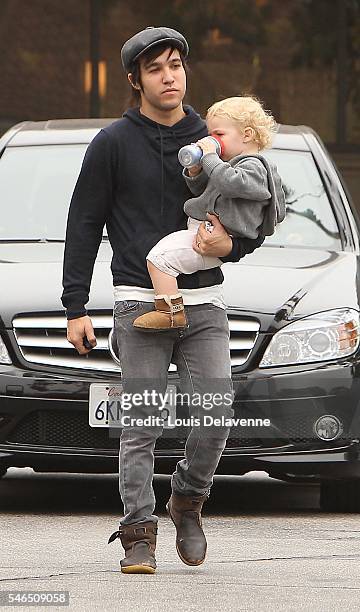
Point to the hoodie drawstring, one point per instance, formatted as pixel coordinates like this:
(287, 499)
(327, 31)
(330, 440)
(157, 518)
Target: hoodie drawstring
(162, 173)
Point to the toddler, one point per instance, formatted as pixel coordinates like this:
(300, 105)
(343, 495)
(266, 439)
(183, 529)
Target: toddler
(242, 188)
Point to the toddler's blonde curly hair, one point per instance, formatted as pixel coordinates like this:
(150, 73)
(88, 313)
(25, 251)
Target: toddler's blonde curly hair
(247, 111)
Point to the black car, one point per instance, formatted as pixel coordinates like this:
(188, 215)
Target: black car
(293, 310)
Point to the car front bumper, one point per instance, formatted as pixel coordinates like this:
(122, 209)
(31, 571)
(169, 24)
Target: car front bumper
(44, 423)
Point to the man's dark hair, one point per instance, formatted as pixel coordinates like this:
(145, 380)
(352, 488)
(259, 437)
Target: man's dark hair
(154, 52)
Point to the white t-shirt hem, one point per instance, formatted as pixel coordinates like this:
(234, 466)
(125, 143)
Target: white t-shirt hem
(203, 295)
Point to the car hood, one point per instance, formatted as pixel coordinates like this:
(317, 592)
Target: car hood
(291, 282)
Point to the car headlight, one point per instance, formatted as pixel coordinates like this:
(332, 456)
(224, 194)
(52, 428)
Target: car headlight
(4, 355)
(319, 337)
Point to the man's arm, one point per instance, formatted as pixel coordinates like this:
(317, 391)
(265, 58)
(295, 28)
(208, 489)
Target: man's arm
(89, 205)
(242, 247)
(86, 219)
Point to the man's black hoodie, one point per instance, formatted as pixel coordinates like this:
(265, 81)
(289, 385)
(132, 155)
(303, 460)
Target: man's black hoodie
(131, 180)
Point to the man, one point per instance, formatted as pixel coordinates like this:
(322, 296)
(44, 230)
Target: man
(132, 181)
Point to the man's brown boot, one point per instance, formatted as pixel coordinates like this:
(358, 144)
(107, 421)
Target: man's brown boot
(139, 543)
(169, 313)
(185, 513)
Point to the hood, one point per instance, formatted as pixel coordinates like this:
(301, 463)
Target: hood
(31, 279)
(292, 282)
(167, 140)
(288, 282)
(189, 129)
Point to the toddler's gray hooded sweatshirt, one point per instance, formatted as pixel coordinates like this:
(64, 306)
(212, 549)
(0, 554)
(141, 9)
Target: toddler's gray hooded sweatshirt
(245, 193)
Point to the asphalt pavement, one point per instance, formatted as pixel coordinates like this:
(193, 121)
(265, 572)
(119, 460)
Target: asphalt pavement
(269, 547)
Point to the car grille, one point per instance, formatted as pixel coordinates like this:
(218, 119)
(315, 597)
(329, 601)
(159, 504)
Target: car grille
(42, 340)
(71, 430)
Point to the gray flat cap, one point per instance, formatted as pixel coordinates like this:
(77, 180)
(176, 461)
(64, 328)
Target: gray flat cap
(144, 40)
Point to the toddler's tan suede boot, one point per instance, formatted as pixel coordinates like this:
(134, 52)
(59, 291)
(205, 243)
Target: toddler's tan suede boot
(169, 313)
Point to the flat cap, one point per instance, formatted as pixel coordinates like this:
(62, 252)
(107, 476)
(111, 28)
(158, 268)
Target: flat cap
(144, 40)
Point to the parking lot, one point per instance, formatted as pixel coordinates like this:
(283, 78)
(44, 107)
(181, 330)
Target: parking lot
(269, 547)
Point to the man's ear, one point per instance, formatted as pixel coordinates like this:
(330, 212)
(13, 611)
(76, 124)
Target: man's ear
(249, 134)
(130, 79)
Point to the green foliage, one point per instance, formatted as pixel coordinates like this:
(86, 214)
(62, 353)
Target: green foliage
(240, 20)
(316, 27)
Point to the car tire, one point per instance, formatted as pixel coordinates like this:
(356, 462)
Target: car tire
(340, 496)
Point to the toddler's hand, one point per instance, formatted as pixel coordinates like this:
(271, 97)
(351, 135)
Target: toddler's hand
(207, 145)
(194, 170)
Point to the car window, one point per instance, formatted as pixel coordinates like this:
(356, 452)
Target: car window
(309, 221)
(36, 184)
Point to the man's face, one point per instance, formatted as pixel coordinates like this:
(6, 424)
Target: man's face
(163, 81)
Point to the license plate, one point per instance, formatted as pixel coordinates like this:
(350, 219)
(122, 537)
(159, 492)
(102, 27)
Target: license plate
(106, 406)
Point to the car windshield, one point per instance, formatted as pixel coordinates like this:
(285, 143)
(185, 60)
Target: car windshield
(309, 220)
(36, 184)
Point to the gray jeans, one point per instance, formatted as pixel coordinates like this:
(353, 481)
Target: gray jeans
(202, 355)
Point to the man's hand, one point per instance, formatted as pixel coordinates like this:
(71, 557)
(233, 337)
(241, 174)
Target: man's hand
(215, 244)
(77, 329)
